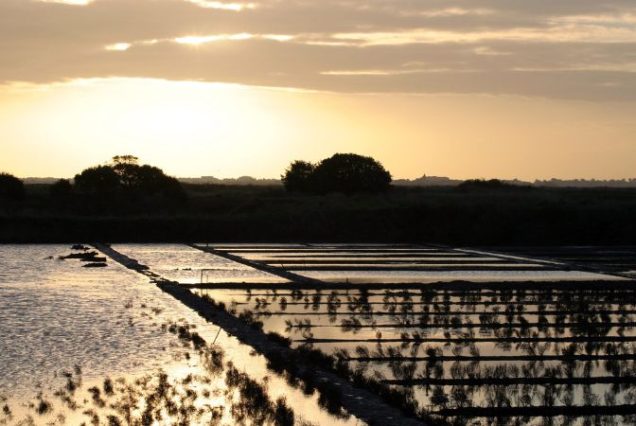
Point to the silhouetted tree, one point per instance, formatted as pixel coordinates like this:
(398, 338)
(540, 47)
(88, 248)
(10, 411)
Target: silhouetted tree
(125, 176)
(476, 184)
(98, 180)
(350, 173)
(61, 190)
(11, 188)
(152, 180)
(127, 168)
(297, 176)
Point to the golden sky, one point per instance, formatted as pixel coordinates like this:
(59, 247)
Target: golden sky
(461, 88)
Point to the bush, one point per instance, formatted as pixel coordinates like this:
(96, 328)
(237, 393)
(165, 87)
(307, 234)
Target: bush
(11, 188)
(492, 184)
(346, 173)
(98, 180)
(124, 176)
(61, 190)
(297, 176)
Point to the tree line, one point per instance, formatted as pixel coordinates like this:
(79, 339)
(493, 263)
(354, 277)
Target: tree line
(123, 179)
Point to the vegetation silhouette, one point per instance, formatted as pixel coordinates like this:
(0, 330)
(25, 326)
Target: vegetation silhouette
(447, 215)
(11, 188)
(346, 173)
(124, 185)
(61, 191)
(297, 176)
(125, 175)
(101, 180)
(491, 184)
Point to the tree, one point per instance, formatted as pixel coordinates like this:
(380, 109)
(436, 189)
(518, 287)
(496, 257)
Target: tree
(297, 176)
(350, 173)
(125, 159)
(126, 177)
(11, 188)
(492, 184)
(61, 190)
(152, 180)
(100, 180)
(127, 168)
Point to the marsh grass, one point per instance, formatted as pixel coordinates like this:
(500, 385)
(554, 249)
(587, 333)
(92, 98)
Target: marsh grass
(445, 215)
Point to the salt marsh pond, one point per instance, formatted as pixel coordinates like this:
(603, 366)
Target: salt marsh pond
(67, 331)
(442, 335)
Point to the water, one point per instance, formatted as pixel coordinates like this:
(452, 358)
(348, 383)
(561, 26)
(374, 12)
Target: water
(390, 264)
(189, 265)
(394, 277)
(385, 324)
(56, 316)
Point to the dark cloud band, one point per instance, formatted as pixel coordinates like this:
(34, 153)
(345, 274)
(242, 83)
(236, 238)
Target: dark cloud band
(575, 49)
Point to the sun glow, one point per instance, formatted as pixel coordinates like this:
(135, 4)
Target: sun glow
(187, 128)
(235, 7)
(227, 130)
(69, 2)
(207, 4)
(198, 40)
(118, 47)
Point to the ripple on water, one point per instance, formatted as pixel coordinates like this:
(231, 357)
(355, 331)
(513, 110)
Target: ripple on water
(55, 314)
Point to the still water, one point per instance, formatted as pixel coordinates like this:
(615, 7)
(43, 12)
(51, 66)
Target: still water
(57, 316)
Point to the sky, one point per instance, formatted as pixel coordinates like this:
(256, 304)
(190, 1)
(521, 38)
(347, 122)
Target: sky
(462, 88)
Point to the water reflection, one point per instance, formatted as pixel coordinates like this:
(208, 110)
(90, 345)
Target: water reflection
(188, 265)
(500, 350)
(104, 346)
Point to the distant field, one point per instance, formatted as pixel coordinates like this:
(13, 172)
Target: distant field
(510, 216)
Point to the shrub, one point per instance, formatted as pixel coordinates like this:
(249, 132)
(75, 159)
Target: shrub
(297, 177)
(346, 173)
(492, 184)
(61, 190)
(11, 188)
(98, 180)
(124, 176)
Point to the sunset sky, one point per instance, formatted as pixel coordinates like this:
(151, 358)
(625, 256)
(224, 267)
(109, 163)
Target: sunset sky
(460, 88)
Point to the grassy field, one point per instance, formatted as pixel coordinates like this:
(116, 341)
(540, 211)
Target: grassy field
(513, 216)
